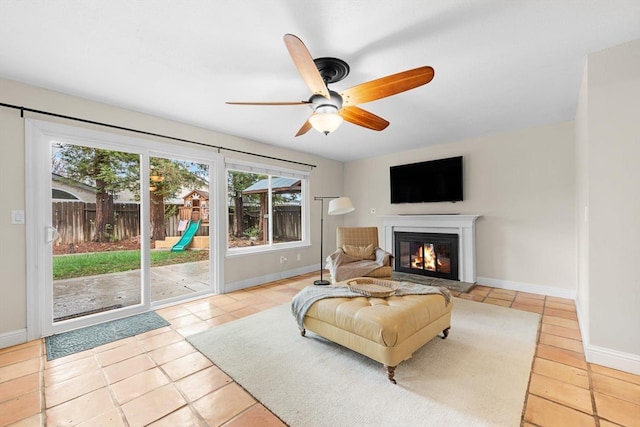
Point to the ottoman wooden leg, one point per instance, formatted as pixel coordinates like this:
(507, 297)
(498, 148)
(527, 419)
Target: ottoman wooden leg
(445, 333)
(303, 332)
(391, 371)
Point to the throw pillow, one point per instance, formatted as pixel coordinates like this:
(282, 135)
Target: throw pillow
(362, 252)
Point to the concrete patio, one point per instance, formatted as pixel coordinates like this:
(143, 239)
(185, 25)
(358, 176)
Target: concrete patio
(89, 294)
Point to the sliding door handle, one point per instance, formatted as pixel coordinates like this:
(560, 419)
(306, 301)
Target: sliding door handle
(51, 234)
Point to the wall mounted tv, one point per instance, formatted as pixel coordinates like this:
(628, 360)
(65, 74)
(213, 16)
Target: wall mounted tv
(431, 181)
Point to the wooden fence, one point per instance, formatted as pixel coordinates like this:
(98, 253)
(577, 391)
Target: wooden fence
(75, 222)
(287, 221)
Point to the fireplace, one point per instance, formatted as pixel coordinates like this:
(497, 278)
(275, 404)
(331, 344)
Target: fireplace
(429, 254)
(463, 226)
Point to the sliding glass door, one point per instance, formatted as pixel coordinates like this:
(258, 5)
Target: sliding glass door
(95, 230)
(180, 213)
(115, 225)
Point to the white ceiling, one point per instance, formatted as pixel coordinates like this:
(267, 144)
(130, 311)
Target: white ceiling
(499, 65)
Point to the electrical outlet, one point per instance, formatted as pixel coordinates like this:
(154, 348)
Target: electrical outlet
(283, 259)
(298, 257)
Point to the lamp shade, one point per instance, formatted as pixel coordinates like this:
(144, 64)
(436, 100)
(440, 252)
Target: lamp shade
(340, 206)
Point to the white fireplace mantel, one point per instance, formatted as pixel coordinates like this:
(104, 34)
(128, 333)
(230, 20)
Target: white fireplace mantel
(462, 225)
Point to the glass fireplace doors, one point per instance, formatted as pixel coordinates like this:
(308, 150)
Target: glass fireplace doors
(428, 254)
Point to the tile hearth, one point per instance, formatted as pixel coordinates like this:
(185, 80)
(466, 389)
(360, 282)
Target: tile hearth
(452, 285)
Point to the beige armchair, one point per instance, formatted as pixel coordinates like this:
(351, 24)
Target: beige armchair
(358, 255)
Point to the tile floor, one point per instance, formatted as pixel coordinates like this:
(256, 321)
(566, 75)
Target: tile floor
(158, 378)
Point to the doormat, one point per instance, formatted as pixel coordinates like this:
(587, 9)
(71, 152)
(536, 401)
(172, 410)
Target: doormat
(71, 342)
(452, 285)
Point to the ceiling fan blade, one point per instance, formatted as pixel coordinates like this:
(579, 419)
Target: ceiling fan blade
(305, 65)
(270, 103)
(360, 117)
(305, 128)
(387, 86)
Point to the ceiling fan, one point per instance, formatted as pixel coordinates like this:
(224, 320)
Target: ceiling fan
(331, 108)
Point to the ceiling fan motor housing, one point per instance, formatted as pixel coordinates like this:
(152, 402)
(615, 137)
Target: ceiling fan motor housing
(320, 104)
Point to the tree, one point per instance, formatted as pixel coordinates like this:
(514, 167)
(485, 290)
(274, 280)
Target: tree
(237, 182)
(110, 172)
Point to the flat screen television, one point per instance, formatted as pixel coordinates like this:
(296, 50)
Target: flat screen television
(431, 181)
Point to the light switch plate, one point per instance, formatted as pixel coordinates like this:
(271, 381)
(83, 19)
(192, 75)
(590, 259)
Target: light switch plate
(17, 217)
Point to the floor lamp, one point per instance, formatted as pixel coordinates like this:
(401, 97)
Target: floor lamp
(337, 206)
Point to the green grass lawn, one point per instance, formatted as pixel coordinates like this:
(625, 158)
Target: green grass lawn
(90, 264)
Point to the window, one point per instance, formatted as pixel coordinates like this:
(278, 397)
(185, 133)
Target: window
(62, 195)
(266, 207)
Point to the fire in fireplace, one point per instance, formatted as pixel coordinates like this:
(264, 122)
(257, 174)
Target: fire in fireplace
(429, 254)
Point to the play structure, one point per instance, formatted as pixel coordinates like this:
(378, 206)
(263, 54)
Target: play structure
(195, 207)
(190, 228)
(187, 236)
(193, 213)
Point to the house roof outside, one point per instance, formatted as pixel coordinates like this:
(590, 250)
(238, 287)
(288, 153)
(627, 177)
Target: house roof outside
(278, 185)
(201, 194)
(65, 188)
(57, 178)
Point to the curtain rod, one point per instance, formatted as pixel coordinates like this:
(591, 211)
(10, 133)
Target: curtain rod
(77, 119)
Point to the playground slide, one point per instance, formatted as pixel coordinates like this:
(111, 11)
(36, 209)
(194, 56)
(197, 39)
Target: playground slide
(187, 236)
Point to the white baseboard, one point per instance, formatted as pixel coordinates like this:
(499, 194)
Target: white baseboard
(7, 339)
(527, 287)
(254, 281)
(613, 359)
(604, 356)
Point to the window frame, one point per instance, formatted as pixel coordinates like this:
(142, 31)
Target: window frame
(271, 171)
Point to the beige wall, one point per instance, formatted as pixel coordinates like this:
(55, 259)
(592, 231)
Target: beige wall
(325, 179)
(12, 237)
(613, 174)
(523, 185)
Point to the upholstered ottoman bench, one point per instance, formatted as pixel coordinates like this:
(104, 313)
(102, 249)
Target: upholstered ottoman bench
(387, 330)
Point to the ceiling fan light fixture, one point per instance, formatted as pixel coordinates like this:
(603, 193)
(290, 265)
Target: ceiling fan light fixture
(326, 119)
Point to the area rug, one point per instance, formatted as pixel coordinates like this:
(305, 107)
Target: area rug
(71, 342)
(476, 377)
(454, 285)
